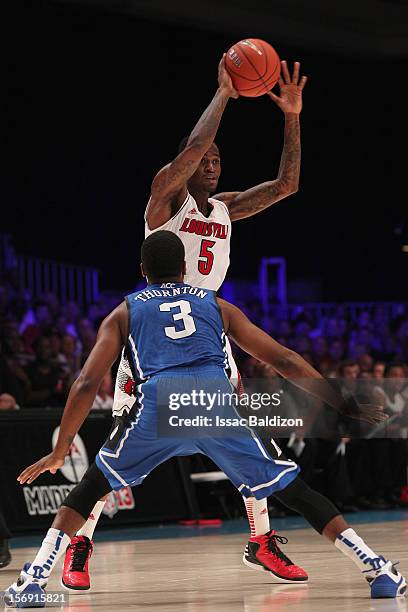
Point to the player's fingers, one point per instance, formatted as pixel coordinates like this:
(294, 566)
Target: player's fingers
(25, 474)
(35, 474)
(273, 96)
(303, 82)
(32, 478)
(25, 478)
(285, 72)
(295, 75)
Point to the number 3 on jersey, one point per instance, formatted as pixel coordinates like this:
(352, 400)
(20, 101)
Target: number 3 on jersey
(205, 265)
(183, 315)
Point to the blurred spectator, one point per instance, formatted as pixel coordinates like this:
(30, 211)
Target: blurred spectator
(71, 354)
(40, 321)
(15, 360)
(390, 395)
(8, 402)
(378, 370)
(365, 363)
(48, 384)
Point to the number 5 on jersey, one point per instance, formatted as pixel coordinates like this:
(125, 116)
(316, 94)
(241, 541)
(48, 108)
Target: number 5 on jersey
(206, 263)
(183, 315)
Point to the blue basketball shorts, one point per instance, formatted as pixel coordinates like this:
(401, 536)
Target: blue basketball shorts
(134, 448)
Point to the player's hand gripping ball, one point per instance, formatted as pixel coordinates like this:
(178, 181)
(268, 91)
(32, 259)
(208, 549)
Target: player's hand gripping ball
(254, 67)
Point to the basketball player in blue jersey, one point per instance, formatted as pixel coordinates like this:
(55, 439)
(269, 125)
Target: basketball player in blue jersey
(174, 330)
(181, 202)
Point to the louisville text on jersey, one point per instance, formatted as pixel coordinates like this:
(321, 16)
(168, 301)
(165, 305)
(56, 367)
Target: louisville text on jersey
(204, 228)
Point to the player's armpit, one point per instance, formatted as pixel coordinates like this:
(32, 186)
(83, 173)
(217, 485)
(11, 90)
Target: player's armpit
(254, 200)
(227, 197)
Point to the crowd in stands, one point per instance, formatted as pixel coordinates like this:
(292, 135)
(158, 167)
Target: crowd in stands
(43, 345)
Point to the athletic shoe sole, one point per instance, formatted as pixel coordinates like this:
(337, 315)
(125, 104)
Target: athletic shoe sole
(276, 577)
(79, 590)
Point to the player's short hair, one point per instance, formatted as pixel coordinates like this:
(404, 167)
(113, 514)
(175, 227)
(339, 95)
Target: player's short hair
(162, 255)
(184, 141)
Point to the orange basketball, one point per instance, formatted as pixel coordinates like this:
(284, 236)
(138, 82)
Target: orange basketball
(254, 67)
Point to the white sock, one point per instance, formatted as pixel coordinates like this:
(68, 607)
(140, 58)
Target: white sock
(258, 516)
(89, 527)
(52, 548)
(354, 547)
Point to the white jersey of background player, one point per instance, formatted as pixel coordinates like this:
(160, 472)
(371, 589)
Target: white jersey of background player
(206, 240)
(180, 201)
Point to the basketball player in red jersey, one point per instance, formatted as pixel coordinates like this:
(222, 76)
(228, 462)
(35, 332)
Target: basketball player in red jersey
(181, 202)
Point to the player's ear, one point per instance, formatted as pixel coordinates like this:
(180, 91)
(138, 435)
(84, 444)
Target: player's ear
(143, 273)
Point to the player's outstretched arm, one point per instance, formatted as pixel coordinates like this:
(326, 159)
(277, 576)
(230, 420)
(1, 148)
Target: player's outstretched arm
(169, 188)
(252, 201)
(291, 365)
(111, 337)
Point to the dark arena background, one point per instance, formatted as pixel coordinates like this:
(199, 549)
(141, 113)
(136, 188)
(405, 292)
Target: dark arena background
(97, 95)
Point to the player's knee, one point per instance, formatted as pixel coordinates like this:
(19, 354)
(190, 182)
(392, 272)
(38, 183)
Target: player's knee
(314, 507)
(84, 496)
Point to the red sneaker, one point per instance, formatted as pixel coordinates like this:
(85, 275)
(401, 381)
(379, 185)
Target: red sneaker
(75, 575)
(263, 553)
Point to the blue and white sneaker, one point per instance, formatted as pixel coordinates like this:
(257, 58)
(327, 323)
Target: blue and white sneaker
(27, 592)
(386, 582)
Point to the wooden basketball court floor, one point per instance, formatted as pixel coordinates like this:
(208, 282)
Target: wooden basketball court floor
(206, 574)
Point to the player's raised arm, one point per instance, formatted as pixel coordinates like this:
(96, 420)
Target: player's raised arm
(252, 201)
(111, 337)
(291, 365)
(169, 188)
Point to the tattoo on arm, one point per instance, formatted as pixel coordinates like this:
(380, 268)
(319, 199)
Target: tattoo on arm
(289, 169)
(253, 200)
(207, 126)
(172, 178)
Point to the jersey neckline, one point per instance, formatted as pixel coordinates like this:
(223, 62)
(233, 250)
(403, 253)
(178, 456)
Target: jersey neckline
(171, 285)
(199, 211)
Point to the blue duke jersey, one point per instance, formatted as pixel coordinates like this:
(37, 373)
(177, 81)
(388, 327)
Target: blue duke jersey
(172, 326)
(176, 333)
